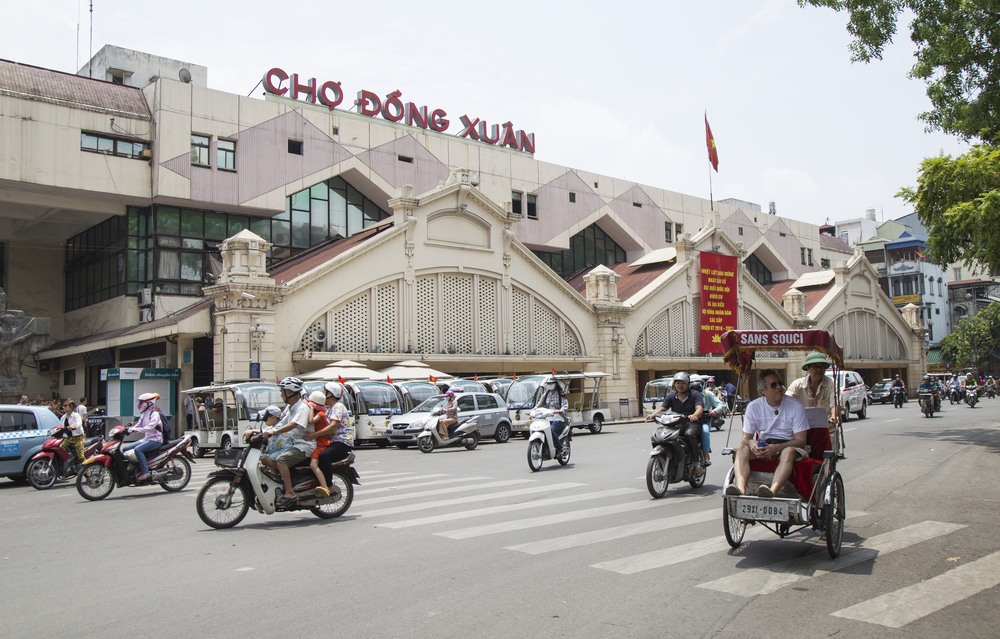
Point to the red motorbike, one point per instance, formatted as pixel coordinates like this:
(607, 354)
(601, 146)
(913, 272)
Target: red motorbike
(169, 466)
(53, 463)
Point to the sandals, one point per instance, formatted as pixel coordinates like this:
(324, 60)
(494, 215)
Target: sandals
(322, 492)
(285, 501)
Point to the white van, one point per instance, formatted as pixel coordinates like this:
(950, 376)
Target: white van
(853, 394)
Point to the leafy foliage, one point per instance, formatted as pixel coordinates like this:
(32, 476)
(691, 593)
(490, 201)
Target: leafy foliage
(971, 342)
(958, 56)
(958, 201)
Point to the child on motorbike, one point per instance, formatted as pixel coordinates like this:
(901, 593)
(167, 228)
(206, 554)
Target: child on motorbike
(317, 417)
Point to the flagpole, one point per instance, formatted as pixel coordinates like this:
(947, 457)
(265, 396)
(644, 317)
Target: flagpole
(711, 195)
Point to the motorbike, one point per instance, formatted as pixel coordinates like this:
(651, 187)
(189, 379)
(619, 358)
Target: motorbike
(671, 460)
(927, 403)
(242, 481)
(464, 432)
(53, 463)
(541, 446)
(720, 419)
(898, 396)
(955, 396)
(991, 391)
(972, 396)
(169, 466)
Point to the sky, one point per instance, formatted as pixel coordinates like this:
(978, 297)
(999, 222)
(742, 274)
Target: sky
(616, 88)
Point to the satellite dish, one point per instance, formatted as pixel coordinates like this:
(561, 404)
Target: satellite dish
(184, 75)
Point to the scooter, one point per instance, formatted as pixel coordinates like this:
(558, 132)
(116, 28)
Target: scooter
(464, 432)
(53, 463)
(927, 402)
(242, 481)
(898, 395)
(955, 396)
(671, 460)
(541, 446)
(169, 466)
(972, 396)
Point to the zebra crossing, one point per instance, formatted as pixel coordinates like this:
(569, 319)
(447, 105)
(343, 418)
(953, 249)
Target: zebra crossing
(435, 503)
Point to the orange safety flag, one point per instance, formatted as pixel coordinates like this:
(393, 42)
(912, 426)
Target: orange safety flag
(432, 379)
(713, 153)
(475, 377)
(553, 372)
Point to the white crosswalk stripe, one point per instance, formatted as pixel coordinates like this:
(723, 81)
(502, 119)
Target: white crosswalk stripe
(761, 581)
(464, 500)
(461, 488)
(493, 510)
(555, 518)
(896, 609)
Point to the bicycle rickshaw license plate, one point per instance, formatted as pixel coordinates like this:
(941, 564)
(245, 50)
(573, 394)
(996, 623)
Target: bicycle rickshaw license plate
(762, 509)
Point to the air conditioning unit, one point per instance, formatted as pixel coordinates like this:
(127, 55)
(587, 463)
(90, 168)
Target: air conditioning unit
(145, 315)
(45, 367)
(145, 297)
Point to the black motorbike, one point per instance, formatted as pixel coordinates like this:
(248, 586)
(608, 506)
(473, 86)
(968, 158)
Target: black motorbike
(898, 396)
(671, 460)
(972, 396)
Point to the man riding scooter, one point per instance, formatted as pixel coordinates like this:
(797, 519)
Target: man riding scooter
(928, 385)
(684, 401)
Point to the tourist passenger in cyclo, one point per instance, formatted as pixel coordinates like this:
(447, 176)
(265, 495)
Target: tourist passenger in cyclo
(684, 401)
(780, 425)
(817, 389)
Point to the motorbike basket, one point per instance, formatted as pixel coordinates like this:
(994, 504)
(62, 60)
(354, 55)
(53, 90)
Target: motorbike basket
(228, 458)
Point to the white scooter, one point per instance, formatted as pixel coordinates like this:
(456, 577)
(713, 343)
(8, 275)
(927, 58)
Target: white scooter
(242, 481)
(540, 443)
(465, 433)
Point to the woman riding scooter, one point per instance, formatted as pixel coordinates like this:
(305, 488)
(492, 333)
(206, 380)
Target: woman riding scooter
(554, 399)
(151, 427)
(450, 414)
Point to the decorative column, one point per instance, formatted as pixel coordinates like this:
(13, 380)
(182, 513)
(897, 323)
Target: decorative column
(612, 341)
(244, 310)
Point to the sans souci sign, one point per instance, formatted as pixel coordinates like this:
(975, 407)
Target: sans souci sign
(392, 108)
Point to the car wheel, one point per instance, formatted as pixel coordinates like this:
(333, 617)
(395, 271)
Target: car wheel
(502, 434)
(598, 424)
(864, 410)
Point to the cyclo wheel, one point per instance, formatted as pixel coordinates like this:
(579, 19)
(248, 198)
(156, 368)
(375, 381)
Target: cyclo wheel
(734, 527)
(834, 514)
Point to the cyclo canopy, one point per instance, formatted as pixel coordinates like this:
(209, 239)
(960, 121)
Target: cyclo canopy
(739, 347)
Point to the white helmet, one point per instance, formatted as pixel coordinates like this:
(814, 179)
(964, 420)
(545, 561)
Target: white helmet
(147, 401)
(551, 382)
(334, 389)
(292, 384)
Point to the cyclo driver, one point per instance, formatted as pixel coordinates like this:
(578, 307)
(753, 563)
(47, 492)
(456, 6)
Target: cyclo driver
(690, 403)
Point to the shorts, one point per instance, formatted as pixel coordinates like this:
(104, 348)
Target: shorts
(319, 449)
(291, 458)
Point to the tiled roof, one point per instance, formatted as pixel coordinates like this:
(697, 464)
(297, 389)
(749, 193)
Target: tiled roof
(65, 89)
(834, 243)
(295, 266)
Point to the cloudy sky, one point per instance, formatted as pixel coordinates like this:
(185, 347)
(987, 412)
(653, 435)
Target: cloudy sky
(617, 88)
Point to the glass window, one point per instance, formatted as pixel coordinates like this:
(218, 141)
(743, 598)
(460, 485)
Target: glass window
(192, 244)
(281, 233)
(300, 201)
(338, 212)
(168, 267)
(190, 266)
(678, 229)
(515, 202)
(225, 155)
(300, 229)
(319, 229)
(319, 191)
(215, 226)
(668, 234)
(261, 226)
(199, 150)
(168, 220)
(192, 223)
(238, 223)
(88, 141)
(105, 145)
(532, 209)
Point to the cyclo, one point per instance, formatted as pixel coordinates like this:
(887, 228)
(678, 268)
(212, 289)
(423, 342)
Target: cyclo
(814, 495)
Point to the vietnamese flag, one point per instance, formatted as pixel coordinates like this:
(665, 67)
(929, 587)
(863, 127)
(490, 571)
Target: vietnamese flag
(713, 153)
(475, 377)
(341, 379)
(388, 379)
(432, 379)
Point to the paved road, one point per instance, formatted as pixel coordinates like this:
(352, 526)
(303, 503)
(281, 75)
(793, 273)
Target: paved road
(461, 544)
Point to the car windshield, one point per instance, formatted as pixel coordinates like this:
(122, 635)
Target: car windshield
(656, 390)
(429, 404)
(381, 399)
(469, 387)
(421, 391)
(260, 396)
(522, 391)
(880, 386)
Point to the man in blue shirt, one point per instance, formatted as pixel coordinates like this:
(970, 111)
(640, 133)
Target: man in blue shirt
(690, 403)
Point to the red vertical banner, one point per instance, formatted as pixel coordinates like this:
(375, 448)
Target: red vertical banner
(718, 299)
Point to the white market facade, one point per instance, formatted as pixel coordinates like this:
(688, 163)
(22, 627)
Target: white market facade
(442, 268)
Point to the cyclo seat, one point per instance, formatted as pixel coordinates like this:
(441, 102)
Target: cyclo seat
(803, 471)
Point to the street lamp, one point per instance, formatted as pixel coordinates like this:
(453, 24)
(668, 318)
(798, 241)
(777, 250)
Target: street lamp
(257, 332)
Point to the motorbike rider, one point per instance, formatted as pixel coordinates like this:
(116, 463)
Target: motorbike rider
(151, 427)
(899, 383)
(969, 383)
(713, 407)
(338, 429)
(955, 389)
(450, 414)
(930, 386)
(72, 421)
(555, 400)
(684, 401)
(295, 422)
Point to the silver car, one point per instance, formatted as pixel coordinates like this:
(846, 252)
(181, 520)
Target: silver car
(489, 408)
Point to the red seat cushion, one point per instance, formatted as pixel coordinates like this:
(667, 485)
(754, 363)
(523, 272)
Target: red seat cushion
(818, 440)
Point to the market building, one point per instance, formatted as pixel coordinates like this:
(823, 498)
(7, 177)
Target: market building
(160, 223)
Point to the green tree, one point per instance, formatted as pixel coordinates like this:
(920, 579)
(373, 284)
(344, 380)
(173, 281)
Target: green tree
(957, 57)
(971, 342)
